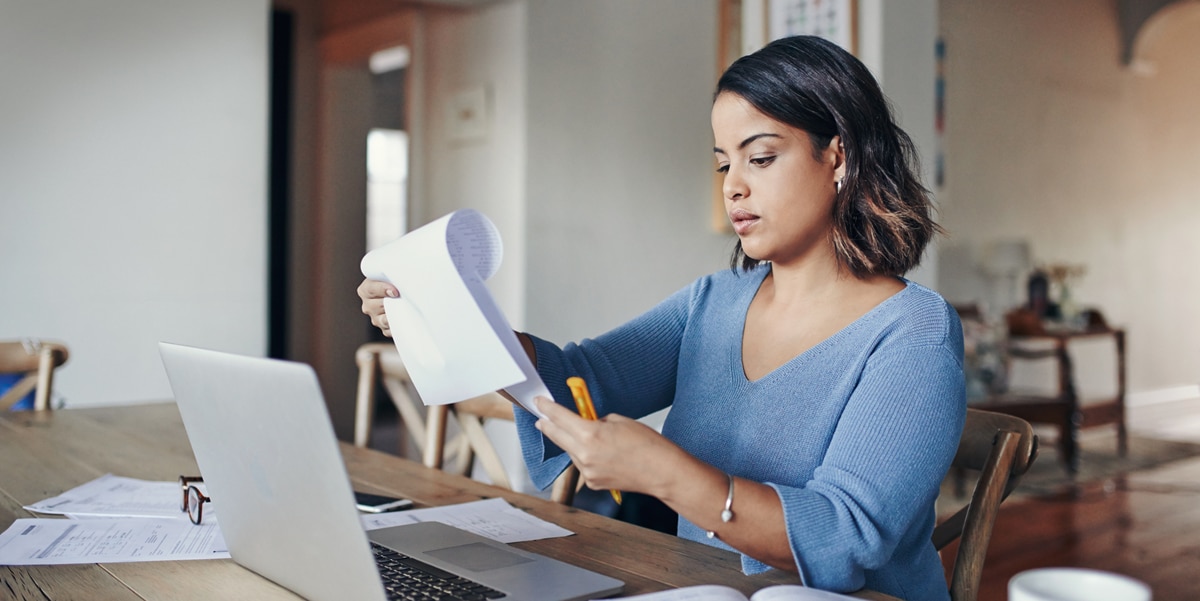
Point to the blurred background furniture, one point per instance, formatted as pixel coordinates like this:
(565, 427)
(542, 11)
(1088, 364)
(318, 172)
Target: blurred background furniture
(428, 427)
(1032, 340)
(33, 362)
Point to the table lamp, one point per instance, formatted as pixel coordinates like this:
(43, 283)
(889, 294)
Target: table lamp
(1005, 260)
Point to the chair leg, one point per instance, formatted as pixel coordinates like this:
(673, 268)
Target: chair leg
(364, 410)
(1122, 433)
(412, 418)
(41, 399)
(435, 435)
(464, 455)
(473, 430)
(1069, 443)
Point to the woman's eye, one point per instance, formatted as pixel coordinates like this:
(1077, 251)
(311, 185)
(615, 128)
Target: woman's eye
(722, 168)
(762, 161)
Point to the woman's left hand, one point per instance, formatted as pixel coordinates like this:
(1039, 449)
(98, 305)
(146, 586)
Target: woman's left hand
(614, 452)
(619, 453)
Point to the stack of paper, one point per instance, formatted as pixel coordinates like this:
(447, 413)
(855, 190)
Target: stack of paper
(113, 519)
(117, 519)
(454, 340)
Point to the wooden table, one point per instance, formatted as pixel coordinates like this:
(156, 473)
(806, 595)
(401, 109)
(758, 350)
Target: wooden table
(45, 453)
(1064, 409)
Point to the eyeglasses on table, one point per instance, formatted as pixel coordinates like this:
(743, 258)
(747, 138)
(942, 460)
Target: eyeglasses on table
(193, 500)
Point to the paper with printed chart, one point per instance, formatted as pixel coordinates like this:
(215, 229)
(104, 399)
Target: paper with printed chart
(454, 341)
(53, 541)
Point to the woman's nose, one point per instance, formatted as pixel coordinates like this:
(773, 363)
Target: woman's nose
(734, 185)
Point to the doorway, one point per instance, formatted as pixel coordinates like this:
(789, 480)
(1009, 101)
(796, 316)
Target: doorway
(362, 181)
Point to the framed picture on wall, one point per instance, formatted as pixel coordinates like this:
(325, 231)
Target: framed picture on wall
(833, 20)
(744, 26)
(757, 22)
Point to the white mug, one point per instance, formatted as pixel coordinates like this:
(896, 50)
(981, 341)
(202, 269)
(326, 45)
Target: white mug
(1075, 584)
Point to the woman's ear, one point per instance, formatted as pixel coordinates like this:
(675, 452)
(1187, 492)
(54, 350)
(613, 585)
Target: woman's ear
(835, 153)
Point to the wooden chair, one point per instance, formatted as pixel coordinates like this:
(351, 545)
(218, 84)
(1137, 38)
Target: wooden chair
(378, 362)
(35, 360)
(428, 426)
(1001, 447)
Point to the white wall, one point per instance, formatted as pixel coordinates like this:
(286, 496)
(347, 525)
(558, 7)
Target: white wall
(464, 51)
(1049, 138)
(597, 166)
(619, 159)
(897, 41)
(132, 184)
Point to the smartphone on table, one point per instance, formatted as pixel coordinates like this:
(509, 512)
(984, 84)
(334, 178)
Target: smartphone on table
(372, 503)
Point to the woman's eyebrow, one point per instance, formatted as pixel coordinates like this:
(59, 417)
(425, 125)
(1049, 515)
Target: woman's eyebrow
(747, 141)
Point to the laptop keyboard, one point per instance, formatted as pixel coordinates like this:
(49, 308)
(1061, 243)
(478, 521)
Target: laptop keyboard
(405, 578)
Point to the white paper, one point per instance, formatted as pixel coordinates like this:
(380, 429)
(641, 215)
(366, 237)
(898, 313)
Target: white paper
(493, 518)
(784, 592)
(117, 496)
(716, 592)
(454, 340)
(51, 541)
(703, 592)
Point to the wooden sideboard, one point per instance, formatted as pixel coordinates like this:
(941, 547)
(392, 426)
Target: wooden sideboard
(1064, 408)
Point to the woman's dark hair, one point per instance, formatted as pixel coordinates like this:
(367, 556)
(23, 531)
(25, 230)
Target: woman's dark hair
(881, 215)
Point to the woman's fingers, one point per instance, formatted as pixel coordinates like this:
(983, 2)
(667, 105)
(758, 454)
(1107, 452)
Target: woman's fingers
(372, 293)
(375, 289)
(559, 422)
(374, 310)
(600, 449)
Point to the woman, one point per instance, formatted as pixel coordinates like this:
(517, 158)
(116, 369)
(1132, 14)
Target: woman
(816, 396)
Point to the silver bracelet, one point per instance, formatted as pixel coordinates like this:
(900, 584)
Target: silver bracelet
(727, 513)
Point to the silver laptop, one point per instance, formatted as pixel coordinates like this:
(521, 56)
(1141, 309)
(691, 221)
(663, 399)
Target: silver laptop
(267, 451)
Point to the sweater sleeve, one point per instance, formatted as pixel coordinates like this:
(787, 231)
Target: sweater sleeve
(630, 371)
(881, 473)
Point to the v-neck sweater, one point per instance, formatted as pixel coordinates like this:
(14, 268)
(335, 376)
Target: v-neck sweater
(855, 434)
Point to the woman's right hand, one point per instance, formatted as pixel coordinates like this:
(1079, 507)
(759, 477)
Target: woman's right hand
(372, 293)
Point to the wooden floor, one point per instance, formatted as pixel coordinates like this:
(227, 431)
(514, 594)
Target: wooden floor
(1145, 524)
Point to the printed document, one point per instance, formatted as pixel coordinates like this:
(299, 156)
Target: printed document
(51, 541)
(126, 519)
(454, 340)
(117, 496)
(493, 518)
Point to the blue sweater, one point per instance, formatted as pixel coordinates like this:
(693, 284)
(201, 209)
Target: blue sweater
(855, 434)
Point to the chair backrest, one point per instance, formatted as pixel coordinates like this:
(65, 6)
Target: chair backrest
(378, 362)
(428, 426)
(1001, 447)
(35, 361)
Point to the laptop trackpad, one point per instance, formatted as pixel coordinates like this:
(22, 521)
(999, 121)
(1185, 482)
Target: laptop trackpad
(478, 557)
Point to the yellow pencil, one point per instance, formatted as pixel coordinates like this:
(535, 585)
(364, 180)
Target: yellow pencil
(583, 403)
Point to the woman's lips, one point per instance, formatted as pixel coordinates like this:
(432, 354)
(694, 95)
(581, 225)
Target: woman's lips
(742, 221)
